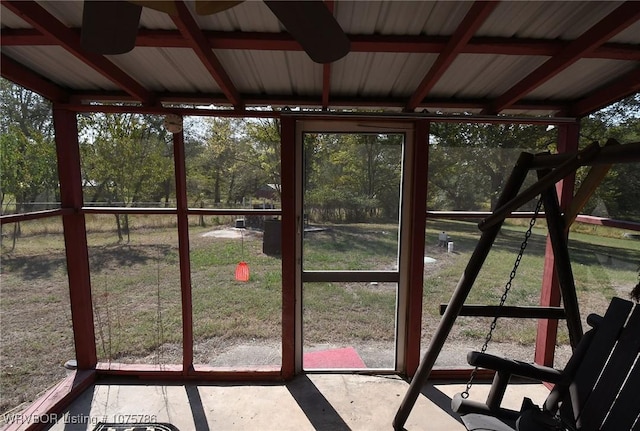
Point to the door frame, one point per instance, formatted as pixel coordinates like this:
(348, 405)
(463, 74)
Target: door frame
(411, 241)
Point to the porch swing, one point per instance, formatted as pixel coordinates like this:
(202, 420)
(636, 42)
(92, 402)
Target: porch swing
(598, 387)
(595, 390)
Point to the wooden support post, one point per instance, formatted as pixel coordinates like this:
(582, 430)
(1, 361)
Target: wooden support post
(75, 237)
(511, 188)
(183, 249)
(417, 227)
(289, 231)
(559, 244)
(550, 297)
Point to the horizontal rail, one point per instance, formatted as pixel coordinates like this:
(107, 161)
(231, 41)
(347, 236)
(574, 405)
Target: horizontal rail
(461, 215)
(170, 211)
(582, 218)
(483, 119)
(522, 312)
(452, 215)
(15, 218)
(128, 210)
(249, 212)
(603, 221)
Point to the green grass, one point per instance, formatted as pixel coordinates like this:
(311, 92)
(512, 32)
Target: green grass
(137, 298)
(351, 247)
(597, 277)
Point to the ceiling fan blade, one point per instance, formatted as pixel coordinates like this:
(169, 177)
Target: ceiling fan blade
(110, 27)
(165, 6)
(208, 7)
(314, 27)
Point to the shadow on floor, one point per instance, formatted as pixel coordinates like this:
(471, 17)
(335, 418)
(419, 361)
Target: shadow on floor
(315, 406)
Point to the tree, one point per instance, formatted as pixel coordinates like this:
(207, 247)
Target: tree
(264, 152)
(619, 193)
(28, 157)
(29, 168)
(219, 165)
(125, 160)
(468, 163)
(352, 177)
(24, 109)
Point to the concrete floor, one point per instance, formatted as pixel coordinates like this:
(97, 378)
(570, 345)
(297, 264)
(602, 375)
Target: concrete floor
(309, 402)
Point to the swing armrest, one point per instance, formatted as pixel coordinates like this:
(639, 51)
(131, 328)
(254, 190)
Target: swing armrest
(504, 368)
(513, 367)
(464, 407)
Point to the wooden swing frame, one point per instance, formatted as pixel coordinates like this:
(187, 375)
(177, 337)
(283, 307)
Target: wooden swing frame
(550, 169)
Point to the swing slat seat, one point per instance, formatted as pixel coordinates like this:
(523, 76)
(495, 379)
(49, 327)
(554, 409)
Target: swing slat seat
(597, 390)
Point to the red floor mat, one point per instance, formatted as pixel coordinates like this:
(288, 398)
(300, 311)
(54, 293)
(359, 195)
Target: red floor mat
(346, 357)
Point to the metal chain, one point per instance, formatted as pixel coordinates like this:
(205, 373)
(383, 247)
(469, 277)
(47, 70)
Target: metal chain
(505, 294)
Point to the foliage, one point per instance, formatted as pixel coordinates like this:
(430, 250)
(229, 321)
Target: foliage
(29, 111)
(232, 160)
(352, 177)
(468, 163)
(126, 160)
(28, 158)
(619, 193)
(264, 136)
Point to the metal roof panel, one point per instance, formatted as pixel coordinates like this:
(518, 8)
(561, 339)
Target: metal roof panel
(60, 66)
(166, 69)
(400, 17)
(379, 74)
(581, 78)
(11, 20)
(259, 71)
(484, 76)
(545, 19)
(272, 72)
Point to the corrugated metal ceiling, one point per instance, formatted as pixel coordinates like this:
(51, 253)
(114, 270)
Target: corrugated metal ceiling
(401, 51)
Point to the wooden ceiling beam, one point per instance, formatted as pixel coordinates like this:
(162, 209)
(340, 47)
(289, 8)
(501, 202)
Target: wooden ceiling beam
(621, 87)
(197, 41)
(418, 44)
(618, 20)
(80, 99)
(475, 17)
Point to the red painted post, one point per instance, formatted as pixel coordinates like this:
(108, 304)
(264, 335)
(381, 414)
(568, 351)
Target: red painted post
(418, 221)
(183, 249)
(75, 236)
(288, 237)
(568, 135)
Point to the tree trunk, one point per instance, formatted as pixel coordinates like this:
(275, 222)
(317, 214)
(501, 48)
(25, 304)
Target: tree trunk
(126, 228)
(119, 227)
(216, 188)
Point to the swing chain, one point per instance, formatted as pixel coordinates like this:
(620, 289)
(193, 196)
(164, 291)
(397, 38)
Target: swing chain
(505, 294)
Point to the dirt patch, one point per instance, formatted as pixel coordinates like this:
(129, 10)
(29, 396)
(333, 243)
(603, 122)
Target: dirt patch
(231, 233)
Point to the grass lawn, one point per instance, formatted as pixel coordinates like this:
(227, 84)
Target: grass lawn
(137, 301)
